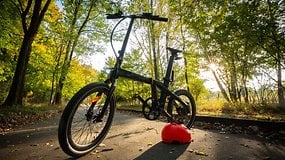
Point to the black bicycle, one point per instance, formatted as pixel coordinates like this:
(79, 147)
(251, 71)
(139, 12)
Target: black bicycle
(88, 116)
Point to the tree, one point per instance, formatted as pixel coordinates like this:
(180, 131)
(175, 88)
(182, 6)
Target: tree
(237, 36)
(30, 28)
(10, 36)
(81, 17)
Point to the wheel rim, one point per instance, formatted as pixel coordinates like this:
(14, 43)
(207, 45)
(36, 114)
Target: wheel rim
(85, 133)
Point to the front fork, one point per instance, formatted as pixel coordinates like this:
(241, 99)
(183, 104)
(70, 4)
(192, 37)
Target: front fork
(99, 117)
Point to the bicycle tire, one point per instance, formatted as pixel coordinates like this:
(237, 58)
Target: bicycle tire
(74, 122)
(191, 111)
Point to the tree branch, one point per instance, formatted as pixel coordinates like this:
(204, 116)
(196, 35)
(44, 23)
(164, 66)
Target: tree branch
(43, 11)
(24, 14)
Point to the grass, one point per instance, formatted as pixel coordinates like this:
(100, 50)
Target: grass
(29, 109)
(212, 107)
(220, 108)
(128, 106)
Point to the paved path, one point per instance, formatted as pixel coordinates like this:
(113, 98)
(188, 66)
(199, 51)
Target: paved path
(132, 137)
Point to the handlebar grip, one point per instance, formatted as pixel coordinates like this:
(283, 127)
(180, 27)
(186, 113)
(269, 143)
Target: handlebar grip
(143, 16)
(114, 16)
(154, 17)
(159, 19)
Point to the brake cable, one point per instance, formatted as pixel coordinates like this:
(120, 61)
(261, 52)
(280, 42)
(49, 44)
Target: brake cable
(111, 37)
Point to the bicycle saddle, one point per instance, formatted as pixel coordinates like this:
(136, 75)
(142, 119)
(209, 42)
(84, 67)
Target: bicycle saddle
(172, 50)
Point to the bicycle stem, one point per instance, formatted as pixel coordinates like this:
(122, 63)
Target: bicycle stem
(115, 71)
(125, 42)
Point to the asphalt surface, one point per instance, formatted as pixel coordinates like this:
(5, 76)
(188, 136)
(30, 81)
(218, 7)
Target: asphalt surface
(133, 137)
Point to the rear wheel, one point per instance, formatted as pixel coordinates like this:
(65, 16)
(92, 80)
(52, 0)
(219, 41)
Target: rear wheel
(81, 128)
(181, 114)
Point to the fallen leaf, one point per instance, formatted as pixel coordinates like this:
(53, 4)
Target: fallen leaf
(200, 153)
(92, 153)
(149, 144)
(14, 150)
(107, 149)
(102, 145)
(266, 158)
(245, 145)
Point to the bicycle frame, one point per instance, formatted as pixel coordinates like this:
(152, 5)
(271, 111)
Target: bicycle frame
(82, 126)
(117, 72)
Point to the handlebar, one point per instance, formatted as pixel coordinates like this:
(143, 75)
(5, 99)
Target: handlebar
(148, 16)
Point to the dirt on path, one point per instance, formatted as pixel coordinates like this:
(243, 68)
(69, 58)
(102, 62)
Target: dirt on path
(133, 137)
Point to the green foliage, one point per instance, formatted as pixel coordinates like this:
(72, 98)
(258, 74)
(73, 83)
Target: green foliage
(243, 39)
(10, 40)
(79, 76)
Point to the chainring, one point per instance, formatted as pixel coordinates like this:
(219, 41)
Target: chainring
(148, 111)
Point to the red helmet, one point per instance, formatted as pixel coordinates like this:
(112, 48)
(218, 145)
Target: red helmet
(175, 133)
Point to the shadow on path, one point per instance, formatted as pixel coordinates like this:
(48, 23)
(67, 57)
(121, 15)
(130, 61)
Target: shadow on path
(163, 151)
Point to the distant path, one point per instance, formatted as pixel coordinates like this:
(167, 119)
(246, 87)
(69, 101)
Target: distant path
(132, 137)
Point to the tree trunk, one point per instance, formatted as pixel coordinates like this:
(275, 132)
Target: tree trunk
(281, 99)
(223, 91)
(279, 53)
(72, 43)
(233, 81)
(186, 74)
(155, 66)
(153, 45)
(15, 95)
(183, 49)
(63, 74)
(245, 94)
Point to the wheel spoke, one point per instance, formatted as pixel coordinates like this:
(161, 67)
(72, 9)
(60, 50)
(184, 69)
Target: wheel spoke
(78, 133)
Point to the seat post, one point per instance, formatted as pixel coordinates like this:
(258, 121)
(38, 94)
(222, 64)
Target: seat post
(173, 56)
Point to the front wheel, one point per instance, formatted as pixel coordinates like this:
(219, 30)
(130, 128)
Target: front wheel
(180, 113)
(81, 128)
